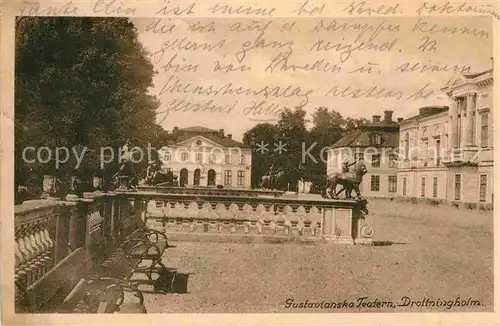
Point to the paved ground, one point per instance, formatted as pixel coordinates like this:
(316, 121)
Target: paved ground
(430, 252)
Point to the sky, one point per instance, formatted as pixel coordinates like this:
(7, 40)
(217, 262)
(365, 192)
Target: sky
(417, 41)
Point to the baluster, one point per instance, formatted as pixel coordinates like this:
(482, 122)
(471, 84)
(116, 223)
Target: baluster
(233, 214)
(32, 276)
(37, 245)
(307, 229)
(23, 270)
(226, 219)
(267, 219)
(17, 260)
(279, 221)
(260, 212)
(245, 217)
(49, 245)
(18, 276)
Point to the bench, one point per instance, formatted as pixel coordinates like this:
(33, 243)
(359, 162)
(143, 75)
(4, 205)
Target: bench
(66, 288)
(140, 252)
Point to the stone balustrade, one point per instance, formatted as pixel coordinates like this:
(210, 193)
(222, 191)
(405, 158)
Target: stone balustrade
(184, 216)
(211, 191)
(46, 231)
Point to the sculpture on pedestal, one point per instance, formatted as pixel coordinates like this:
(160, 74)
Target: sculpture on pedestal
(50, 183)
(348, 180)
(126, 175)
(271, 179)
(151, 173)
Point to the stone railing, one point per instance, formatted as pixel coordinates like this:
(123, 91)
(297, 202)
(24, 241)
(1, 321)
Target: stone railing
(211, 191)
(189, 216)
(47, 231)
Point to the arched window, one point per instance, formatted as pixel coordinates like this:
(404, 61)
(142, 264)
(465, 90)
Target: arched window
(407, 145)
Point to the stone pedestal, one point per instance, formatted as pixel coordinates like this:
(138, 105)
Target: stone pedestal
(267, 228)
(123, 183)
(226, 226)
(213, 227)
(307, 230)
(337, 225)
(239, 227)
(253, 227)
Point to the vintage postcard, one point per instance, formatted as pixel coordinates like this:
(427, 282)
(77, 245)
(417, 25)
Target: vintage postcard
(287, 162)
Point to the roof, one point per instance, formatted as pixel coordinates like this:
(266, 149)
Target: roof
(223, 141)
(427, 111)
(478, 74)
(197, 129)
(361, 137)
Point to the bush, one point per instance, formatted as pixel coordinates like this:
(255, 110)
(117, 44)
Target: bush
(433, 201)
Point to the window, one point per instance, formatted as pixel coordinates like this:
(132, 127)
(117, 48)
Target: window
(242, 160)
(359, 156)
(212, 158)
(168, 157)
(376, 139)
(422, 187)
(393, 183)
(228, 159)
(375, 160)
(184, 157)
(438, 152)
(483, 180)
(228, 178)
(241, 178)
(333, 163)
(407, 146)
(425, 153)
(435, 187)
(484, 130)
(198, 157)
(393, 160)
(404, 186)
(474, 128)
(458, 186)
(375, 183)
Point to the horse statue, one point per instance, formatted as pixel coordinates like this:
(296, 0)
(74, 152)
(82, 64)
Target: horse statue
(271, 179)
(348, 180)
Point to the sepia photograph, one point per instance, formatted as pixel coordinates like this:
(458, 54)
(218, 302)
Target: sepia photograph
(247, 162)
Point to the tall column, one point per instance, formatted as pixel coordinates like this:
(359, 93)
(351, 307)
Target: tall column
(453, 123)
(468, 122)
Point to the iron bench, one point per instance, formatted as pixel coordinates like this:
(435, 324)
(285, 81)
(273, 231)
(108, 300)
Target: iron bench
(66, 289)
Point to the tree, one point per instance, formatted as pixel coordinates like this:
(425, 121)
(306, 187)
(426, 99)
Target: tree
(262, 157)
(292, 132)
(81, 81)
(351, 124)
(327, 129)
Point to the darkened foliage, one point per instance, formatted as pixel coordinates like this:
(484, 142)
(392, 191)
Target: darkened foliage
(80, 81)
(328, 126)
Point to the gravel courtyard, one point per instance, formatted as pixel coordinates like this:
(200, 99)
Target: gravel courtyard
(422, 252)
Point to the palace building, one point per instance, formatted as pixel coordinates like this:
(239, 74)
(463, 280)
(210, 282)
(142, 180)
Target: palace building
(448, 151)
(377, 143)
(207, 157)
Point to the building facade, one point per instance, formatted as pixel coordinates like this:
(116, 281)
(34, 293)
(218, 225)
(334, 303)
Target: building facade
(207, 157)
(376, 143)
(448, 152)
(423, 151)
